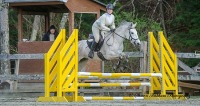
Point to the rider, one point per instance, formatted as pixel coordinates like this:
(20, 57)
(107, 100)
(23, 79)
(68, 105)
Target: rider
(102, 24)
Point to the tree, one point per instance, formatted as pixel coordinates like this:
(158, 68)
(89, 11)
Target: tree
(64, 20)
(185, 29)
(36, 25)
(4, 38)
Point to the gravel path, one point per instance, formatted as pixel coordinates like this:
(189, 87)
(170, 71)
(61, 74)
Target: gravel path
(25, 101)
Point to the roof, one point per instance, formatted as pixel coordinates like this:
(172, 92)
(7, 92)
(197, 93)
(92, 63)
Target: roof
(56, 6)
(97, 1)
(20, 1)
(39, 5)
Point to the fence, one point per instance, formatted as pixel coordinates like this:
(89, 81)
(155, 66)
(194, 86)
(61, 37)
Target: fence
(162, 68)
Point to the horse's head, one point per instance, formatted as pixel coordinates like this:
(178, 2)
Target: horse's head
(132, 35)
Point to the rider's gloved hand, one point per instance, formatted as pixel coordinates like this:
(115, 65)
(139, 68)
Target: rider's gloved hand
(112, 30)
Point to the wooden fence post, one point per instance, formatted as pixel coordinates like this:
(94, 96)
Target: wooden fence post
(143, 63)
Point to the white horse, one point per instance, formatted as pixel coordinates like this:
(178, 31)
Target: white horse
(112, 47)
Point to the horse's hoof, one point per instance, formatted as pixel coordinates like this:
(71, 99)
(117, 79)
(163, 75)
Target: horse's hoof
(114, 67)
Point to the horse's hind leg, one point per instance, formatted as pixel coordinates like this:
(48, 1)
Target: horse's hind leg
(82, 64)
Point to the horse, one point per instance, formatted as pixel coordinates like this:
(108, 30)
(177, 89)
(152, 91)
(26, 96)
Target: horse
(112, 47)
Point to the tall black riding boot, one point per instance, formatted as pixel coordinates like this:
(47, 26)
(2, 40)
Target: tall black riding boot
(91, 53)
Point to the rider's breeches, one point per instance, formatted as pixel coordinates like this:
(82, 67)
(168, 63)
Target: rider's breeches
(96, 32)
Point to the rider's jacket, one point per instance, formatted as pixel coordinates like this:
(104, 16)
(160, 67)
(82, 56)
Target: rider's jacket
(105, 21)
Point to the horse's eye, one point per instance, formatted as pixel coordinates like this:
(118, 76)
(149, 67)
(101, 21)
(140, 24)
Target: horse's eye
(132, 33)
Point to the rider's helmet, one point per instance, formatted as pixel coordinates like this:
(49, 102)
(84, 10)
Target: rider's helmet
(110, 6)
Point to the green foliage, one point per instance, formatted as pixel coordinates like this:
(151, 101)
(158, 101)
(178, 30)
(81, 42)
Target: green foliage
(107, 1)
(84, 24)
(191, 62)
(13, 31)
(185, 34)
(185, 27)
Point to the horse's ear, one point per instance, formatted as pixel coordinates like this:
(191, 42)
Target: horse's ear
(131, 25)
(134, 25)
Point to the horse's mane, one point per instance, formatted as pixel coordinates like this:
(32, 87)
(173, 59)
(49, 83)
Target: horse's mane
(124, 23)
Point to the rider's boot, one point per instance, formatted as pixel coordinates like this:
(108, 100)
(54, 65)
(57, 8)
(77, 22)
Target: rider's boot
(91, 53)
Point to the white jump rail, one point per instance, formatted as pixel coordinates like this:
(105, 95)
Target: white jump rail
(113, 98)
(120, 74)
(113, 84)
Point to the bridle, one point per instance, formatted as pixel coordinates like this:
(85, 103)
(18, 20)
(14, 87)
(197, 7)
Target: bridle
(130, 37)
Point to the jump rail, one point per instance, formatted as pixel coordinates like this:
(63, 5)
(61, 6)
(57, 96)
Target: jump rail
(113, 98)
(120, 74)
(113, 84)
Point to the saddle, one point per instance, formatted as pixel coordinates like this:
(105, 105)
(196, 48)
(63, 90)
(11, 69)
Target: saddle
(98, 46)
(92, 39)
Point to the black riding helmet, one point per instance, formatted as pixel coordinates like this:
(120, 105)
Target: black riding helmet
(110, 6)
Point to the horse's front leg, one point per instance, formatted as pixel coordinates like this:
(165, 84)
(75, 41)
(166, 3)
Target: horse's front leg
(123, 56)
